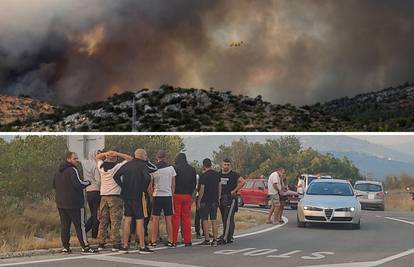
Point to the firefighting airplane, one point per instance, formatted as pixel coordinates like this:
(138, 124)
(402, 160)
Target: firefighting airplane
(236, 44)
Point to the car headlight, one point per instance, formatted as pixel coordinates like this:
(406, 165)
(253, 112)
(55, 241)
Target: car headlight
(305, 207)
(352, 209)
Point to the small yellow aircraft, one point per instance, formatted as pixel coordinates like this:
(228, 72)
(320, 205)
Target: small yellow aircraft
(236, 44)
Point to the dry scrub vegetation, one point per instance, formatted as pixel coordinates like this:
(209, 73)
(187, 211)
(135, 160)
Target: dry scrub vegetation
(35, 225)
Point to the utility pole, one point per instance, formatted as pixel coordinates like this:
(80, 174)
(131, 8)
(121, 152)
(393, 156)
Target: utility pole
(134, 115)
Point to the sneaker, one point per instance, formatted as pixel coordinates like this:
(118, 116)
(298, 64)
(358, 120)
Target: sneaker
(205, 243)
(188, 244)
(123, 250)
(214, 243)
(152, 244)
(230, 241)
(66, 251)
(116, 247)
(101, 247)
(221, 242)
(145, 250)
(88, 250)
(171, 245)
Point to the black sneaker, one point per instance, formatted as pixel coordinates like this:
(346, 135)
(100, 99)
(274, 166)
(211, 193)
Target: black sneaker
(171, 245)
(221, 242)
(214, 243)
(205, 243)
(88, 250)
(123, 250)
(188, 244)
(116, 247)
(66, 251)
(145, 250)
(152, 244)
(101, 247)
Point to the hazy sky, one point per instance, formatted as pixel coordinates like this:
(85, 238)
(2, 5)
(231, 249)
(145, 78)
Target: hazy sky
(76, 51)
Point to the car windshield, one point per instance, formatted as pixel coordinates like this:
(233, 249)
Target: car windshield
(368, 187)
(335, 189)
(311, 178)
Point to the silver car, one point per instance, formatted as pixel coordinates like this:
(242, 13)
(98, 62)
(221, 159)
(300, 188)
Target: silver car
(370, 194)
(329, 201)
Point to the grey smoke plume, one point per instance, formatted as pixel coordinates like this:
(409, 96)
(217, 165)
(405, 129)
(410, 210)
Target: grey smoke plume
(76, 51)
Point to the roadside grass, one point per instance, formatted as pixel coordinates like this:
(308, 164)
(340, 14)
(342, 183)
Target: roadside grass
(399, 201)
(35, 225)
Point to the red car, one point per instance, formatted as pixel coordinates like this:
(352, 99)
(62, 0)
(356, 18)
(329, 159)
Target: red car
(255, 192)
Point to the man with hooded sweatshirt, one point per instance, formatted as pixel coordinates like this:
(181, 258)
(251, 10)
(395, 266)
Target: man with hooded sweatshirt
(185, 183)
(91, 174)
(70, 203)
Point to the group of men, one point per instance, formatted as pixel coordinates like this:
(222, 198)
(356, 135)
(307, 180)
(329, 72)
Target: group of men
(129, 191)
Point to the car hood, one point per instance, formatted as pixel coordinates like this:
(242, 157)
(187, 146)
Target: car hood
(329, 201)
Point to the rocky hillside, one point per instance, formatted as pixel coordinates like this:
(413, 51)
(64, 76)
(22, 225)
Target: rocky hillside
(178, 109)
(21, 108)
(391, 109)
(192, 110)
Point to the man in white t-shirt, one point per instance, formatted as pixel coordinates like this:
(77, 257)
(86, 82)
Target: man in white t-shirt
(110, 209)
(274, 190)
(162, 187)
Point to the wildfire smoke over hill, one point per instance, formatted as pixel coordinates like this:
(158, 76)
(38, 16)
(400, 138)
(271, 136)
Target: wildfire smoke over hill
(77, 51)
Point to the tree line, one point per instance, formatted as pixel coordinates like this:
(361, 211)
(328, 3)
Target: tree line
(253, 159)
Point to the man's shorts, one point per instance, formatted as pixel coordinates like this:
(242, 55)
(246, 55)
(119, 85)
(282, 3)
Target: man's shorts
(275, 200)
(163, 204)
(208, 210)
(135, 208)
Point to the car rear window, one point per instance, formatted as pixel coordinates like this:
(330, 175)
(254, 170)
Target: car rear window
(368, 187)
(334, 189)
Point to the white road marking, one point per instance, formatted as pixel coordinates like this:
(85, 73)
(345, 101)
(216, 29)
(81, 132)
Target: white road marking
(317, 255)
(142, 262)
(284, 255)
(232, 251)
(260, 252)
(372, 263)
(399, 220)
(117, 253)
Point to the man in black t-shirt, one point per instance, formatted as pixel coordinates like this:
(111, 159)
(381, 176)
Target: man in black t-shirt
(231, 182)
(208, 201)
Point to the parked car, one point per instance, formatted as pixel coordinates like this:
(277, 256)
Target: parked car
(330, 201)
(371, 194)
(255, 192)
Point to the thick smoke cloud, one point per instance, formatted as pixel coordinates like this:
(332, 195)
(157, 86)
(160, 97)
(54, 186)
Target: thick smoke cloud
(76, 51)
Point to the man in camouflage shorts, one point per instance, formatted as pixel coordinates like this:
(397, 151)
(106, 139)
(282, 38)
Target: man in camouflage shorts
(111, 206)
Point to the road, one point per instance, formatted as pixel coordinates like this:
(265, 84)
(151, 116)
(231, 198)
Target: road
(385, 239)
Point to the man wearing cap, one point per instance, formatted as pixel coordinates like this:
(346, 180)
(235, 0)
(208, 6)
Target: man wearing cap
(162, 188)
(231, 183)
(110, 209)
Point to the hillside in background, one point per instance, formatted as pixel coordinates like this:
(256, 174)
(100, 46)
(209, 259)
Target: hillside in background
(22, 108)
(179, 109)
(372, 159)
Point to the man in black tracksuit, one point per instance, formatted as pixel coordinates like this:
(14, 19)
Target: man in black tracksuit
(134, 179)
(70, 203)
(231, 183)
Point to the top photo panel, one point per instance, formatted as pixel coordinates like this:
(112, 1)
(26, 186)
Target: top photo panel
(206, 66)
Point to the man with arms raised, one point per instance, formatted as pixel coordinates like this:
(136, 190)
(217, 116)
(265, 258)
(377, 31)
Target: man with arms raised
(134, 179)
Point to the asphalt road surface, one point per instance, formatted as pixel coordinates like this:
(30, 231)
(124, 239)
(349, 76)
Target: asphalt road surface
(385, 239)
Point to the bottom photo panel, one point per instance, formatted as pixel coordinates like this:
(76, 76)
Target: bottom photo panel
(207, 200)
